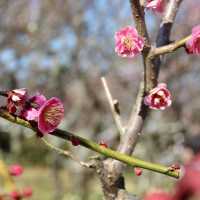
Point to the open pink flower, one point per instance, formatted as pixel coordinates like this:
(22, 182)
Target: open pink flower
(158, 195)
(50, 115)
(159, 98)
(193, 44)
(16, 100)
(128, 43)
(16, 170)
(156, 5)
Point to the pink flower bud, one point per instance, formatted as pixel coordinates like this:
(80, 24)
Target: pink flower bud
(27, 192)
(158, 98)
(50, 115)
(138, 171)
(128, 43)
(193, 44)
(16, 100)
(174, 167)
(156, 5)
(75, 141)
(16, 170)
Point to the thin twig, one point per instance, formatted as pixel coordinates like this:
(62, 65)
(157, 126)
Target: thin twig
(68, 154)
(114, 109)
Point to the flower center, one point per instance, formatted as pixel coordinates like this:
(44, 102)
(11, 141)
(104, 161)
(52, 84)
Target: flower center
(128, 42)
(53, 114)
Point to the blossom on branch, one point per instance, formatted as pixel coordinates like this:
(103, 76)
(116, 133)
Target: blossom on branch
(50, 115)
(128, 43)
(156, 5)
(158, 98)
(193, 44)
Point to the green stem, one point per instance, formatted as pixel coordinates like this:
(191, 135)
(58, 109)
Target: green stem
(132, 161)
(170, 47)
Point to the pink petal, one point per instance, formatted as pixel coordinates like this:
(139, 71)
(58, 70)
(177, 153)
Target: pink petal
(30, 114)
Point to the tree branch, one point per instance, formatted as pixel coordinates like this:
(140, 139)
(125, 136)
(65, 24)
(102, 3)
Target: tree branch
(68, 154)
(169, 48)
(132, 161)
(163, 36)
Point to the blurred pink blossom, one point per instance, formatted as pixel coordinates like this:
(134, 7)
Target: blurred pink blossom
(158, 98)
(50, 115)
(156, 5)
(193, 44)
(27, 192)
(128, 43)
(16, 170)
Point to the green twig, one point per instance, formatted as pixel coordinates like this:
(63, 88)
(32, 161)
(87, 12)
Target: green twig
(132, 161)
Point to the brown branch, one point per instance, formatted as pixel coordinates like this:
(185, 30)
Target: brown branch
(112, 169)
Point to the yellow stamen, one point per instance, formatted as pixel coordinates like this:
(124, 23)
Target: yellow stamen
(128, 42)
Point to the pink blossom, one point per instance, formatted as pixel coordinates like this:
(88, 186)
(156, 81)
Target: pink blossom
(27, 192)
(128, 43)
(193, 44)
(30, 114)
(50, 115)
(156, 5)
(16, 100)
(16, 170)
(158, 98)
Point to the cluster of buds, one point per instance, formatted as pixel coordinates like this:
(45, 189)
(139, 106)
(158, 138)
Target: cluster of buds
(18, 195)
(48, 113)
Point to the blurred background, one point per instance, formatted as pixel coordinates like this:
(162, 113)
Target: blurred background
(62, 48)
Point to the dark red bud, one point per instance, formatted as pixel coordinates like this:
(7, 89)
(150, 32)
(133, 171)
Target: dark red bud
(75, 141)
